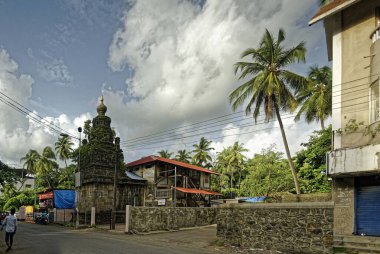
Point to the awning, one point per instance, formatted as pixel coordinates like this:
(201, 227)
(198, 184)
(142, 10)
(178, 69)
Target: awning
(197, 191)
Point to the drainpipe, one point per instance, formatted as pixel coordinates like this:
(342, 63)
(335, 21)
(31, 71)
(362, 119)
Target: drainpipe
(175, 187)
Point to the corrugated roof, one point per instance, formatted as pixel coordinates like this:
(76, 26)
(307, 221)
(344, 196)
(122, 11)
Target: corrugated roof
(134, 176)
(153, 158)
(331, 8)
(197, 191)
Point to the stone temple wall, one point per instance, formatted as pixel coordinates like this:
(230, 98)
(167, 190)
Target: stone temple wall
(290, 228)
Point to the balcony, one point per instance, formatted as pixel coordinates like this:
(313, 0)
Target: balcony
(353, 161)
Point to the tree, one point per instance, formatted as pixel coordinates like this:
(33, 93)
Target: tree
(271, 86)
(87, 129)
(165, 154)
(183, 156)
(7, 176)
(311, 162)
(235, 158)
(316, 98)
(46, 164)
(63, 148)
(268, 173)
(201, 156)
(30, 160)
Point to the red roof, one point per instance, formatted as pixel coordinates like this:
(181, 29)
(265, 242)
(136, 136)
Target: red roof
(331, 8)
(153, 158)
(197, 191)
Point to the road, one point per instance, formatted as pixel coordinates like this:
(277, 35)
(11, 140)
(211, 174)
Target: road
(53, 239)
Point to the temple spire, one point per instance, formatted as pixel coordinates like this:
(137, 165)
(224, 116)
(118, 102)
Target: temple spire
(102, 109)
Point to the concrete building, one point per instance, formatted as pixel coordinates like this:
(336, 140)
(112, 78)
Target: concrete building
(171, 180)
(352, 37)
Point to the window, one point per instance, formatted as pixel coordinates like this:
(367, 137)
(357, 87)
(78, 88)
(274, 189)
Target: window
(375, 106)
(148, 165)
(28, 186)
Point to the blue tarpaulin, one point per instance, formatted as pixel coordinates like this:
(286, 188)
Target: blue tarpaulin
(254, 199)
(64, 199)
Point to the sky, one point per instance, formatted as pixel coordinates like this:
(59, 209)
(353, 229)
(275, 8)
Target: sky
(160, 65)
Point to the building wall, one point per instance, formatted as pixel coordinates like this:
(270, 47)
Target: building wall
(289, 228)
(343, 194)
(357, 24)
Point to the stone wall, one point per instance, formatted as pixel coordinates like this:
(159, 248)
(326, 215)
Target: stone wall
(290, 228)
(145, 219)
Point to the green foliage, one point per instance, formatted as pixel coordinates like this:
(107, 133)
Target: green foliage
(63, 148)
(201, 155)
(311, 162)
(7, 175)
(268, 174)
(165, 154)
(183, 156)
(23, 198)
(316, 97)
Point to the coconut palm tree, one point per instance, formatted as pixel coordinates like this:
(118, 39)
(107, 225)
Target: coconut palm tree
(46, 164)
(270, 86)
(30, 160)
(201, 153)
(165, 154)
(63, 148)
(316, 98)
(183, 156)
(235, 158)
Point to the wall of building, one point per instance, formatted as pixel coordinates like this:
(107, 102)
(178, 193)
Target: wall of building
(290, 228)
(358, 22)
(343, 191)
(146, 219)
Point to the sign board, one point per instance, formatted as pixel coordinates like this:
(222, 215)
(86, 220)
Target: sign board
(47, 195)
(161, 201)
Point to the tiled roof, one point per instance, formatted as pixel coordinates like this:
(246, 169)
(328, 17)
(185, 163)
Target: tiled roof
(331, 8)
(153, 158)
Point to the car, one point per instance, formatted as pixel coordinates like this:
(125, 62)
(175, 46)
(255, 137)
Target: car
(3, 215)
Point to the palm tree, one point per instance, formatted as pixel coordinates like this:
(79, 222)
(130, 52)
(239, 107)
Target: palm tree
(30, 160)
(63, 148)
(235, 158)
(46, 164)
(201, 153)
(316, 98)
(271, 86)
(165, 154)
(183, 156)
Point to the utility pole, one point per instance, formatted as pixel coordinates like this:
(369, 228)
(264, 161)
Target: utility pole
(77, 192)
(175, 187)
(113, 215)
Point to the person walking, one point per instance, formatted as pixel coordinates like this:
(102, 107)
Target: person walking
(10, 223)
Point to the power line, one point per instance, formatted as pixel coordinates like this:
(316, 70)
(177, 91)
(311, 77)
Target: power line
(31, 115)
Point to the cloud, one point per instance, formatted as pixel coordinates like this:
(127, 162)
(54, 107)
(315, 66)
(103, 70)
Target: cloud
(182, 57)
(18, 132)
(51, 69)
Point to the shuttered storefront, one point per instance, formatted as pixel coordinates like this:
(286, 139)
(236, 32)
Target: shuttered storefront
(368, 206)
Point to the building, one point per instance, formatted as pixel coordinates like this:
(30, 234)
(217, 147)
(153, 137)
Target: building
(102, 175)
(352, 37)
(174, 181)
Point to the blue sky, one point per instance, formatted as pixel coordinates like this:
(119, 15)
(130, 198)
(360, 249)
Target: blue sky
(159, 64)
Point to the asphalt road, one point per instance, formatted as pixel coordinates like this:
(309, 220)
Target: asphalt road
(53, 239)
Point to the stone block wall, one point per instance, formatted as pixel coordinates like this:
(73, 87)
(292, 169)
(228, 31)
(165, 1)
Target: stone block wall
(146, 219)
(290, 228)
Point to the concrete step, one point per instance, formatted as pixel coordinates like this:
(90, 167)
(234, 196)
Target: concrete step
(356, 244)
